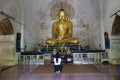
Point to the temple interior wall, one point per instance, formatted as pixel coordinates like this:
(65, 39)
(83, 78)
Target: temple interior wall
(91, 19)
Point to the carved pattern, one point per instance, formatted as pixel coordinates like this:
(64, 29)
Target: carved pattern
(65, 5)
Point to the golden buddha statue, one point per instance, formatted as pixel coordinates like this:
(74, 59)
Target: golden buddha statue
(62, 30)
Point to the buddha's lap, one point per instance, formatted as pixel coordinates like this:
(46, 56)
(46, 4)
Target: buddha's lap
(70, 40)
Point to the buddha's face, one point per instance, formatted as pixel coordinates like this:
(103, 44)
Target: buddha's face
(62, 15)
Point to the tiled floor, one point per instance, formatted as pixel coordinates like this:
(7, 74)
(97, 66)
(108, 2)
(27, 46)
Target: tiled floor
(22, 72)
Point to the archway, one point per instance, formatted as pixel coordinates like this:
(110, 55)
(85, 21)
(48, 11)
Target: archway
(115, 41)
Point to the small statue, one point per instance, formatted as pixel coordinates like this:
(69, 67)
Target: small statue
(68, 51)
(62, 30)
(54, 51)
(62, 47)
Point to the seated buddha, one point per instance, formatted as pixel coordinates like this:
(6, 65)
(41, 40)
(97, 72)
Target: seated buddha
(62, 30)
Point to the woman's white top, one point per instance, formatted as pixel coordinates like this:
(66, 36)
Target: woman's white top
(57, 63)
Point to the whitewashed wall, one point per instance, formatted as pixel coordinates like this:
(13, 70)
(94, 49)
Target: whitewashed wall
(109, 8)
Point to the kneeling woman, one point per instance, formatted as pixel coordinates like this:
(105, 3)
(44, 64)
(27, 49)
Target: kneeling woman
(57, 63)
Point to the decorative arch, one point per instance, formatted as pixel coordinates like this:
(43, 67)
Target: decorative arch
(116, 26)
(6, 27)
(57, 6)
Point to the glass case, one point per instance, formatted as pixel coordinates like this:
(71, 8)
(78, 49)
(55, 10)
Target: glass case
(77, 58)
(86, 58)
(91, 58)
(30, 59)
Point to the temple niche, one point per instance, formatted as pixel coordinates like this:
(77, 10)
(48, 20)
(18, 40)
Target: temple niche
(80, 26)
(7, 42)
(79, 32)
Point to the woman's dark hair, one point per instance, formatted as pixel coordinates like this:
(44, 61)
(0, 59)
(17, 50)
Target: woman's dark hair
(57, 56)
